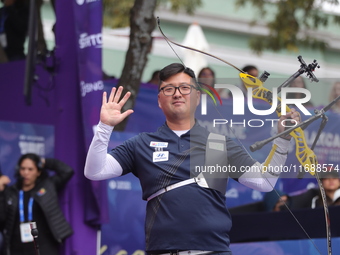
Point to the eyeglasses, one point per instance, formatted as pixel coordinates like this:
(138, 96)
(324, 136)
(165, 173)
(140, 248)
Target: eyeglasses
(184, 89)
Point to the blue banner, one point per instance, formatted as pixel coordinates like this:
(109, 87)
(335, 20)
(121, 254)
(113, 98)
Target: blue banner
(18, 138)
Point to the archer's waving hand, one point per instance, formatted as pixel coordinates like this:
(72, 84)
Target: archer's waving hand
(110, 113)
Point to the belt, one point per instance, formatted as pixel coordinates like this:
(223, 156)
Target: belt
(177, 185)
(189, 252)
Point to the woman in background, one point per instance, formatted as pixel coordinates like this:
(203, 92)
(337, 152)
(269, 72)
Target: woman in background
(207, 76)
(34, 198)
(298, 83)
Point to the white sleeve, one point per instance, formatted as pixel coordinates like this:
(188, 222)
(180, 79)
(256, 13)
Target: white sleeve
(264, 179)
(99, 164)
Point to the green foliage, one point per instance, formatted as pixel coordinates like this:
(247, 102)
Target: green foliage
(291, 24)
(188, 6)
(117, 12)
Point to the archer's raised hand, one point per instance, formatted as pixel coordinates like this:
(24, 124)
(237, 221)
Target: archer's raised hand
(110, 113)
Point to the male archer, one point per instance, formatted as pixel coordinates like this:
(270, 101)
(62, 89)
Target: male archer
(185, 214)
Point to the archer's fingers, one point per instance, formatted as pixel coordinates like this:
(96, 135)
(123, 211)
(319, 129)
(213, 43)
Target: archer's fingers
(295, 115)
(127, 113)
(125, 98)
(292, 114)
(118, 94)
(112, 94)
(104, 98)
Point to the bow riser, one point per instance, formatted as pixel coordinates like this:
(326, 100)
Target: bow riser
(303, 153)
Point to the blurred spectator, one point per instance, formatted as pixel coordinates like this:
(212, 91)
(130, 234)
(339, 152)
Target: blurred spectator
(331, 184)
(298, 83)
(335, 92)
(207, 76)
(34, 198)
(154, 78)
(14, 20)
(252, 70)
(275, 201)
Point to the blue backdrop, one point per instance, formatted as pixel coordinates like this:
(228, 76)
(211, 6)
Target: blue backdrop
(20, 138)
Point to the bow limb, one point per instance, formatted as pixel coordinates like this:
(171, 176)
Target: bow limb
(193, 49)
(304, 154)
(326, 212)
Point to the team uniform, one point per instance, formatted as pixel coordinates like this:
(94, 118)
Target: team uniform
(189, 217)
(200, 212)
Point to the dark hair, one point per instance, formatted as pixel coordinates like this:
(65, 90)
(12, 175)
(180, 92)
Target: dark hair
(155, 75)
(292, 95)
(37, 162)
(173, 69)
(204, 80)
(205, 68)
(154, 78)
(248, 68)
(328, 174)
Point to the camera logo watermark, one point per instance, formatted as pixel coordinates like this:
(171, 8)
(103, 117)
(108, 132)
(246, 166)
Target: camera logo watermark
(239, 99)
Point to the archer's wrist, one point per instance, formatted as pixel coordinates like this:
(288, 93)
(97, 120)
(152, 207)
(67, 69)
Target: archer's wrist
(104, 127)
(286, 137)
(282, 145)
